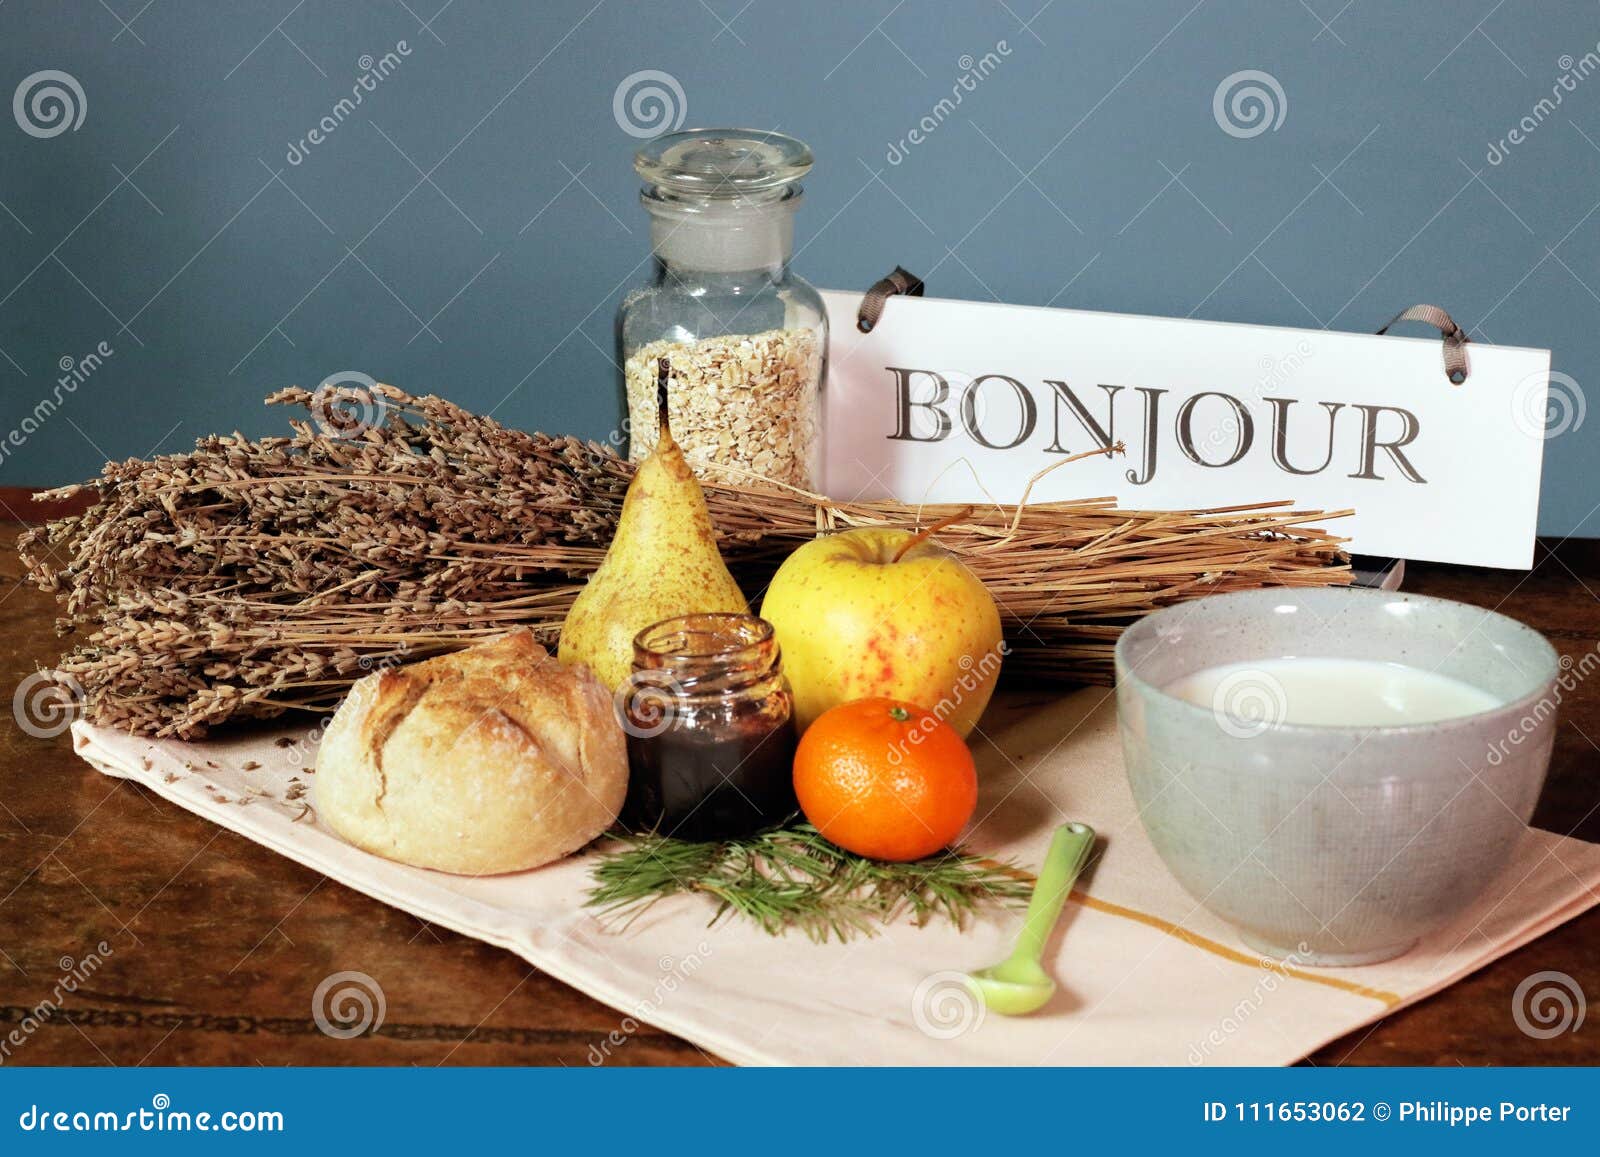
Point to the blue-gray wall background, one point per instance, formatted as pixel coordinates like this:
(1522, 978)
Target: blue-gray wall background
(470, 228)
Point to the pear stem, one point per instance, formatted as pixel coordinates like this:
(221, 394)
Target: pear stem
(923, 536)
(663, 373)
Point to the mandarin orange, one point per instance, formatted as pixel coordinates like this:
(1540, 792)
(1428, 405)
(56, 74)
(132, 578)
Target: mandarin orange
(885, 779)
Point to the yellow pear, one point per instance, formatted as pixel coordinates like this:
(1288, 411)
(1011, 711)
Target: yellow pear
(662, 563)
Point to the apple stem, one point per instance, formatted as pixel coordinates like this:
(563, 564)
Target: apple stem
(923, 536)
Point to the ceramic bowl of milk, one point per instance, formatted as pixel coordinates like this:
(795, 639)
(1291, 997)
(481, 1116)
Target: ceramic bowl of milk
(1335, 772)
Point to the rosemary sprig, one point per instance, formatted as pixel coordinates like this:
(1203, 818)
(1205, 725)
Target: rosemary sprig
(791, 878)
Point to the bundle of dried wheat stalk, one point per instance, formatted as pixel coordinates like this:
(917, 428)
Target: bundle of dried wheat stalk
(242, 578)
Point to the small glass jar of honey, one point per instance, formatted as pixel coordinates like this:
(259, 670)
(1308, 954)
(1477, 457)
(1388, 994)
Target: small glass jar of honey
(711, 738)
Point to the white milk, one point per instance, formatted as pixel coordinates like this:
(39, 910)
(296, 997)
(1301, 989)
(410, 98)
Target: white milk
(1331, 692)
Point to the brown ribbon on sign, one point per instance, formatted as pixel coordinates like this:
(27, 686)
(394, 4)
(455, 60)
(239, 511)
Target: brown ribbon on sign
(1455, 338)
(897, 283)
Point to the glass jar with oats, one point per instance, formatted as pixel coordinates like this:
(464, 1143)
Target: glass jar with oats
(744, 336)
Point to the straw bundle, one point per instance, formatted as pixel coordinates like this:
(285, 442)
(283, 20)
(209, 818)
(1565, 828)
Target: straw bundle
(245, 578)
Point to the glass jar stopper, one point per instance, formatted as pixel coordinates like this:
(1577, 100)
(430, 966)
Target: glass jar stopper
(723, 163)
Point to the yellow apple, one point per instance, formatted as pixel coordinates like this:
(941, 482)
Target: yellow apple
(861, 613)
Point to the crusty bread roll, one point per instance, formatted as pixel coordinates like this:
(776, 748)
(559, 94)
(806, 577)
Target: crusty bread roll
(492, 759)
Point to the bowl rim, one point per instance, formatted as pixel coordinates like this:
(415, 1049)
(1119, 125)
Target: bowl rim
(1512, 707)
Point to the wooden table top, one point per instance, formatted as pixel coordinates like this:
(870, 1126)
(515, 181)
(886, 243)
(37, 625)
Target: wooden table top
(217, 944)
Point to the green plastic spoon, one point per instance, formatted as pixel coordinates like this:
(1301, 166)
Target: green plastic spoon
(1019, 984)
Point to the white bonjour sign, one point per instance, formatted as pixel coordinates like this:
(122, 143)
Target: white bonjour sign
(1211, 414)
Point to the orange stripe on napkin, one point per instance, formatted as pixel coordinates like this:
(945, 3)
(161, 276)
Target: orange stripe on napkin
(1282, 967)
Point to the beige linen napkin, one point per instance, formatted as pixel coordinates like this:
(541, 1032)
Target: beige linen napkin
(1146, 977)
